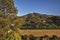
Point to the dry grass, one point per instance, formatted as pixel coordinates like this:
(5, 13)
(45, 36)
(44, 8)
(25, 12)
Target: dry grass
(40, 32)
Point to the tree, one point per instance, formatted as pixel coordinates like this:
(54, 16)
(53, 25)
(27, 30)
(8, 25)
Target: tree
(1, 14)
(8, 7)
(8, 15)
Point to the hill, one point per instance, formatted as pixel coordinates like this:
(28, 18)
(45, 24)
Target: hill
(40, 21)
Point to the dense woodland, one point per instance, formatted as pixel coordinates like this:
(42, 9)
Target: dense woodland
(10, 23)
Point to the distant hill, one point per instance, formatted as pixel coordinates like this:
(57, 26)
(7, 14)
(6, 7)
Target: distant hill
(40, 21)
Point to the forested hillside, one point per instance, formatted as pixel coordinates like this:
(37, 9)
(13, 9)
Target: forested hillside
(41, 21)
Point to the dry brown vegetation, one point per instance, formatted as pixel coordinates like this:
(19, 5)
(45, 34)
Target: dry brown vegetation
(40, 32)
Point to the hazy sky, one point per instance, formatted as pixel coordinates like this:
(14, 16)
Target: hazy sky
(51, 7)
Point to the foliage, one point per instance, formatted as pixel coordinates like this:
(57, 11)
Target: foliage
(8, 7)
(8, 16)
(34, 21)
(13, 36)
(10, 22)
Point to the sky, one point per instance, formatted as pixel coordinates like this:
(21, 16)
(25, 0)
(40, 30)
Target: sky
(49, 7)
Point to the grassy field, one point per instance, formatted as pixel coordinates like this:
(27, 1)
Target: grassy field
(40, 32)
